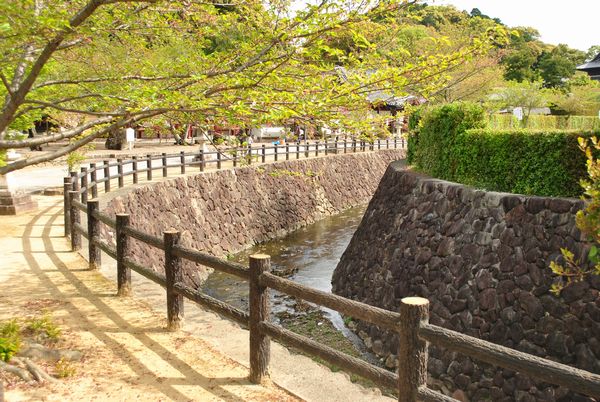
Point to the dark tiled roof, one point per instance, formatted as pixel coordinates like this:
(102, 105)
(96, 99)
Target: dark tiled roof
(594, 63)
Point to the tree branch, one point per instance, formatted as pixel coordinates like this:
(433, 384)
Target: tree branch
(108, 79)
(22, 163)
(12, 104)
(72, 110)
(29, 142)
(6, 84)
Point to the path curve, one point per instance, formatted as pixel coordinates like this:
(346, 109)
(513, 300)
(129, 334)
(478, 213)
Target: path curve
(128, 354)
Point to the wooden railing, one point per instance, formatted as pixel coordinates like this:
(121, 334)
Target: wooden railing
(411, 322)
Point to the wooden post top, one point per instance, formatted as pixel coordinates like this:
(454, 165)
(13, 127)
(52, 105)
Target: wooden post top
(260, 256)
(415, 301)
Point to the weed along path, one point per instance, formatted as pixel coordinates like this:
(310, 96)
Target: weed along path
(127, 355)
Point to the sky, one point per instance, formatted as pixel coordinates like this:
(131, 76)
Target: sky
(574, 22)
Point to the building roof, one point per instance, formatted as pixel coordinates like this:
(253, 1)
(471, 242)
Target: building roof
(383, 98)
(391, 101)
(594, 63)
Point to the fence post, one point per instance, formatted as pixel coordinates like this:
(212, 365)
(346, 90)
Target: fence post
(84, 185)
(259, 311)
(264, 153)
(149, 166)
(317, 148)
(395, 142)
(326, 148)
(164, 164)
(106, 176)
(173, 274)
(94, 180)
(235, 156)
(120, 172)
(287, 151)
(387, 143)
(249, 154)
(67, 205)
(202, 163)
(354, 145)
(412, 351)
(345, 145)
(93, 225)
(379, 143)
(123, 273)
(276, 152)
(75, 219)
(218, 160)
(134, 167)
(307, 150)
(182, 161)
(298, 150)
(74, 181)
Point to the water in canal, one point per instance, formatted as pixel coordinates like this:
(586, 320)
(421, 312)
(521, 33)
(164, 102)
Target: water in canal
(312, 253)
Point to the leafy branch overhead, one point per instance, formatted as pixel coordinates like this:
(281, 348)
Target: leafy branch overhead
(99, 65)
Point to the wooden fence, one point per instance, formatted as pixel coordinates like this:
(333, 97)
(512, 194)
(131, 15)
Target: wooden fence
(411, 322)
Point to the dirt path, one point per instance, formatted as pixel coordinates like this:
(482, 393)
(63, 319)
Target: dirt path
(128, 355)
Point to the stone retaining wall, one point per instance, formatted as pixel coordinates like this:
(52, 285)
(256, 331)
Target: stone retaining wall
(481, 258)
(225, 211)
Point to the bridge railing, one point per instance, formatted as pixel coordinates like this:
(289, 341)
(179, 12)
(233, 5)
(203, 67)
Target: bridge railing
(411, 322)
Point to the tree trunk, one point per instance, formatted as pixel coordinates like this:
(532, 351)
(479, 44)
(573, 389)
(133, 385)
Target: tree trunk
(116, 139)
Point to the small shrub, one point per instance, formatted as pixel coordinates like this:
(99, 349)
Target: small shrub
(64, 369)
(8, 348)
(74, 159)
(10, 340)
(44, 328)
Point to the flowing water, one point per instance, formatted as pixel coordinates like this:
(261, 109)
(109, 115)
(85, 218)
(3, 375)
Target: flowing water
(311, 253)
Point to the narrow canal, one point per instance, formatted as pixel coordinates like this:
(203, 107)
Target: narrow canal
(307, 256)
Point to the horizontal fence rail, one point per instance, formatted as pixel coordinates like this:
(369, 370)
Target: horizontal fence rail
(536, 367)
(210, 261)
(374, 315)
(410, 323)
(378, 375)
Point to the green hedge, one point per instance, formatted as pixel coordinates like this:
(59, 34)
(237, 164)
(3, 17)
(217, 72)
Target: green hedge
(539, 122)
(547, 163)
(450, 143)
(431, 144)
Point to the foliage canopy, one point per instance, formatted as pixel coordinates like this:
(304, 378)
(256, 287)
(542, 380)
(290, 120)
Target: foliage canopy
(100, 65)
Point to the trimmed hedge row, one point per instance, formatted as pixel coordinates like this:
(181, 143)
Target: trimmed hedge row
(546, 163)
(539, 122)
(450, 143)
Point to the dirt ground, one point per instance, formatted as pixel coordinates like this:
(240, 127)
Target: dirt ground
(128, 354)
